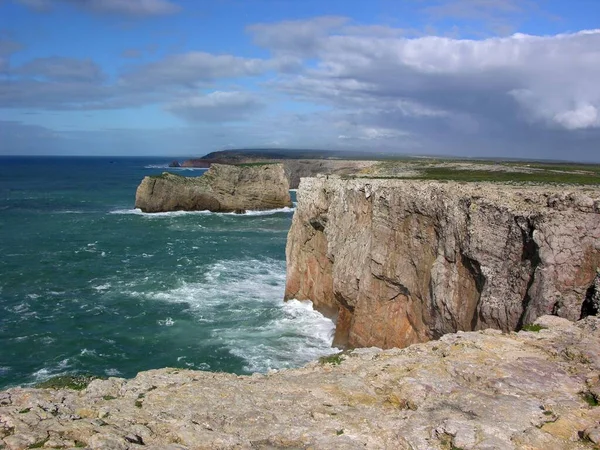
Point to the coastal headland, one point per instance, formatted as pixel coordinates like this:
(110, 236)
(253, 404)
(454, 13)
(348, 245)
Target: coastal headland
(466, 295)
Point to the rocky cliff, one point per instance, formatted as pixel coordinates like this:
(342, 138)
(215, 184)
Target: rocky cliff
(401, 261)
(479, 390)
(223, 188)
(294, 168)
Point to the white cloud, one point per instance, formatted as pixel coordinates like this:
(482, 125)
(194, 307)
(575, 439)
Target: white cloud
(218, 106)
(296, 37)
(57, 68)
(371, 85)
(8, 46)
(583, 116)
(193, 68)
(119, 7)
(434, 76)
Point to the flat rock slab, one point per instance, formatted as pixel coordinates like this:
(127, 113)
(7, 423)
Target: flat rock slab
(476, 390)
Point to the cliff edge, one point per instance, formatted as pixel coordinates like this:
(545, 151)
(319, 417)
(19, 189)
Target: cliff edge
(479, 390)
(406, 261)
(223, 188)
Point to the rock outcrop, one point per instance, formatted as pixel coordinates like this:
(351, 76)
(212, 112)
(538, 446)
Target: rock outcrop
(478, 390)
(294, 168)
(223, 188)
(401, 261)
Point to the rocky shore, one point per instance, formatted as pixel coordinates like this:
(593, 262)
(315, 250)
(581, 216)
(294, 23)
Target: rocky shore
(405, 261)
(223, 188)
(480, 390)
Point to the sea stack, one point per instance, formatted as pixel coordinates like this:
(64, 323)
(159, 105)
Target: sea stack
(223, 188)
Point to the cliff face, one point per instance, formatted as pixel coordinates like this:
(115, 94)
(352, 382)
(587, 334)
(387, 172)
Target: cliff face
(222, 188)
(467, 390)
(401, 262)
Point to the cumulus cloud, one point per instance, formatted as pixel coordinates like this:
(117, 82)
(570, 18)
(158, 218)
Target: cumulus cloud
(8, 46)
(217, 106)
(296, 37)
(482, 16)
(119, 7)
(583, 116)
(192, 69)
(65, 69)
(371, 85)
(550, 79)
(66, 83)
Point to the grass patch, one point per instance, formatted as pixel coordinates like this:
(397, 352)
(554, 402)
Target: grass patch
(443, 173)
(74, 382)
(446, 441)
(165, 175)
(594, 168)
(589, 398)
(334, 360)
(79, 444)
(38, 444)
(138, 404)
(108, 397)
(25, 411)
(257, 164)
(535, 328)
(339, 432)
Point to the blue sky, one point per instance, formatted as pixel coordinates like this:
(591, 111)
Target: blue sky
(513, 78)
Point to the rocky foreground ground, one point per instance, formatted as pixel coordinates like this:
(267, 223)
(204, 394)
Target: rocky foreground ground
(476, 390)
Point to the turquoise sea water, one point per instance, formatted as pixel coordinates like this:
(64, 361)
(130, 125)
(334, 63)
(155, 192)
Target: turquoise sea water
(90, 285)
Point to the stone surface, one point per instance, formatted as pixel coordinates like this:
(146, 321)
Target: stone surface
(223, 188)
(476, 390)
(399, 261)
(294, 168)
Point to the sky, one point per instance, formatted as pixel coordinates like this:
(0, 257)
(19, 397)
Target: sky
(476, 78)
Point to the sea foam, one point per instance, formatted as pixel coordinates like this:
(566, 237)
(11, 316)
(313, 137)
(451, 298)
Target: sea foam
(240, 302)
(157, 215)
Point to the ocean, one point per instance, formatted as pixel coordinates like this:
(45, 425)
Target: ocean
(89, 285)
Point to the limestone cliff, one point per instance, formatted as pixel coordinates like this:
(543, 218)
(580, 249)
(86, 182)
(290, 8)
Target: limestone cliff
(294, 168)
(402, 261)
(479, 390)
(223, 188)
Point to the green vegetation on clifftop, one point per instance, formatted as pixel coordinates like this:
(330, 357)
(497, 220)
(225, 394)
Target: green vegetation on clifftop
(442, 173)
